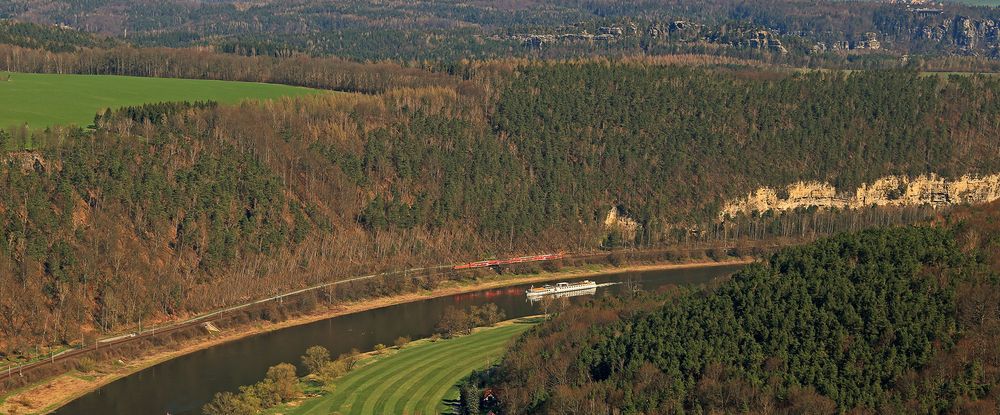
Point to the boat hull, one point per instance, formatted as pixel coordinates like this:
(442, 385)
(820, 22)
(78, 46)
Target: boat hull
(561, 288)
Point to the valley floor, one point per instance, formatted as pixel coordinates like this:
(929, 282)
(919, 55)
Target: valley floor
(49, 395)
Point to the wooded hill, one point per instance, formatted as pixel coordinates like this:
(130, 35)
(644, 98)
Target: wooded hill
(895, 320)
(49, 38)
(809, 31)
(172, 209)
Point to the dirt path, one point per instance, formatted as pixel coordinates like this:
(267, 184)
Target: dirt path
(50, 394)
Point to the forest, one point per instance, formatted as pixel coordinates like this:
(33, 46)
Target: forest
(50, 38)
(893, 320)
(217, 204)
(222, 204)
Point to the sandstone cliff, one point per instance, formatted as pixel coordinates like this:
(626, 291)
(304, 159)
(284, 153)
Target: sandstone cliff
(618, 221)
(888, 191)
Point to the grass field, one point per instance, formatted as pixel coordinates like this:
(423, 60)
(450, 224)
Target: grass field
(43, 100)
(416, 380)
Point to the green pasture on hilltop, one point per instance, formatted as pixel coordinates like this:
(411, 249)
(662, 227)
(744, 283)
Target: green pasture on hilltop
(43, 100)
(419, 379)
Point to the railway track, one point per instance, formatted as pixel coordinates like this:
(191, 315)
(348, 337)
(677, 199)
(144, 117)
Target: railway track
(19, 371)
(13, 372)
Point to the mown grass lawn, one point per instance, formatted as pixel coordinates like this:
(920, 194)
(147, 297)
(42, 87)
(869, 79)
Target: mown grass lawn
(417, 379)
(43, 100)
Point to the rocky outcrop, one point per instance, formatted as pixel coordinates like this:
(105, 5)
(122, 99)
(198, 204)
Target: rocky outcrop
(617, 221)
(929, 190)
(764, 40)
(961, 34)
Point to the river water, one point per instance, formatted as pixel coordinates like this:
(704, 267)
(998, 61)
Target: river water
(181, 386)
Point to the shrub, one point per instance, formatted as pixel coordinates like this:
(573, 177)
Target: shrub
(228, 403)
(487, 315)
(315, 358)
(717, 254)
(553, 266)
(454, 321)
(616, 259)
(350, 358)
(86, 364)
(333, 370)
(401, 341)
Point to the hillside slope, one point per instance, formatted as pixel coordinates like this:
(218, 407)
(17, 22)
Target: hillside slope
(169, 210)
(896, 320)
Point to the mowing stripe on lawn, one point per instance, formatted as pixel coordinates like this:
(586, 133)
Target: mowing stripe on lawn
(377, 401)
(415, 379)
(429, 394)
(358, 385)
(412, 372)
(361, 387)
(418, 390)
(405, 386)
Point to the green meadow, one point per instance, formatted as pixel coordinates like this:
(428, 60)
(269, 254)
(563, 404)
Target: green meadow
(42, 100)
(415, 380)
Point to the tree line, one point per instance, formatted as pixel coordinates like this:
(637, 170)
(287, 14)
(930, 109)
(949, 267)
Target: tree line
(301, 70)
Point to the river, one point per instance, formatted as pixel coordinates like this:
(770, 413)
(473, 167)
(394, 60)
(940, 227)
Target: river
(181, 386)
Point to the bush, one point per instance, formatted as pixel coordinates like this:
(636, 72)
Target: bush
(453, 322)
(401, 341)
(717, 254)
(315, 358)
(616, 259)
(553, 266)
(228, 403)
(487, 315)
(350, 358)
(380, 348)
(86, 364)
(333, 370)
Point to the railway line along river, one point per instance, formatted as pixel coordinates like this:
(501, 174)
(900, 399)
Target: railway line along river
(181, 386)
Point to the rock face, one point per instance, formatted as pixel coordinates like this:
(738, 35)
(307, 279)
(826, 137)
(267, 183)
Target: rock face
(961, 34)
(765, 40)
(617, 221)
(929, 190)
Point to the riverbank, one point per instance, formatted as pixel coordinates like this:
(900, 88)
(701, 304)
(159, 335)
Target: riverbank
(50, 394)
(417, 378)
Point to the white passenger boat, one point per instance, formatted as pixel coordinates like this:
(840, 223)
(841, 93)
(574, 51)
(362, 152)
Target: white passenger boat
(560, 288)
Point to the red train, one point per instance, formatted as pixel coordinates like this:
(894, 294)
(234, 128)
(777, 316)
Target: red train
(517, 260)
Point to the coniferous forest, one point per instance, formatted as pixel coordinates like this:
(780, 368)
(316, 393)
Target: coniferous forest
(897, 320)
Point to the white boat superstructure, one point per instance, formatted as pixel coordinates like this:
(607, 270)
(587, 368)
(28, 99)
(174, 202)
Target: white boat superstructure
(560, 288)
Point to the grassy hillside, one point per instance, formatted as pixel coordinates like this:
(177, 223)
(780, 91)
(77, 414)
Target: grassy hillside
(42, 100)
(415, 380)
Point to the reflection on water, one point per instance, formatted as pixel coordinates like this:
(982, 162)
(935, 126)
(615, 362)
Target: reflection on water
(182, 385)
